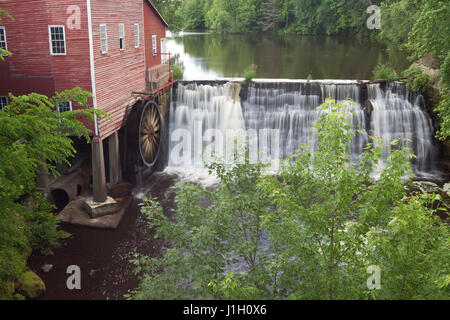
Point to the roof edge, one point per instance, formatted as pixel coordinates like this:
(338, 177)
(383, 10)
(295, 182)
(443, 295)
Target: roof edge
(157, 12)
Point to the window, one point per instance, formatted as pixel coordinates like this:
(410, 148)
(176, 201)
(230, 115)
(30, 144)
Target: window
(164, 57)
(103, 38)
(121, 37)
(3, 44)
(3, 102)
(136, 35)
(57, 40)
(155, 50)
(64, 106)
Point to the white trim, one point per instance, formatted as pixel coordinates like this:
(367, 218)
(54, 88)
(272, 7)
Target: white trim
(106, 38)
(6, 41)
(138, 35)
(154, 45)
(121, 25)
(91, 58)
(70, 106)
(50, 40)
(163, 44)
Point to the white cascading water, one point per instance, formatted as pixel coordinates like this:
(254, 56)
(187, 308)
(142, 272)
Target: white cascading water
(394, 116)
(276, 117)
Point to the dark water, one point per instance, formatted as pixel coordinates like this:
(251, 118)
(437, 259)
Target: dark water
(208, 56)
(104, 255)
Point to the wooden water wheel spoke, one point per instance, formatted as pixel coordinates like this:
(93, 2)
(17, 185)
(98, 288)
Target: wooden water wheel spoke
(150, 133)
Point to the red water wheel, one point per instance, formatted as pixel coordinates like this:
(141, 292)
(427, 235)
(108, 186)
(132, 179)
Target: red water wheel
(150, 133)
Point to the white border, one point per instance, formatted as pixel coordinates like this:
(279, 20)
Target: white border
(154, 45)
(50, 40)
(138, 35)
(106, 37)
(6, 40)
(123, 36)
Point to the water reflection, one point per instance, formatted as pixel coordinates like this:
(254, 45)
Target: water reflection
(210, 56)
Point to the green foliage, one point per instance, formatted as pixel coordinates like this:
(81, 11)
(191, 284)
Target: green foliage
(443, 110)
(418, 80)
(31, 130)
(308, 233)
(205, 240)
(429, 34)
(41, 224)
(250, 73)
(177, 72)
(412, 251)
(384, 72)
(445, 72)
(287, 16)
(170, 10)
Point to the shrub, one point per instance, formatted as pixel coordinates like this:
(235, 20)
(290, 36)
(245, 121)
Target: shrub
(177, 72)
(417, 79)
(384, 72)
(250, 73)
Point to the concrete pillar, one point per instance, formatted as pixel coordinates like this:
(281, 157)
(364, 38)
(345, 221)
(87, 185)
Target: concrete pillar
(114, 158)
(98, 171)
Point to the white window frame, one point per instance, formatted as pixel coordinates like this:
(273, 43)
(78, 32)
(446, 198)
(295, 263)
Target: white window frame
(137, 39)
(106, 38)
(4, 34)
(154, 45)
(164, 56)
(70, 106)
(50, 40)
(122, 36)
(1, 104)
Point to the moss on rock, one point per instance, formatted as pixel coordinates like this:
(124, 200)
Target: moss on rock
(31, 285)
(63, 234)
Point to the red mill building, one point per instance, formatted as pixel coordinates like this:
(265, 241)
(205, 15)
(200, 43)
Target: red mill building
(111, 48)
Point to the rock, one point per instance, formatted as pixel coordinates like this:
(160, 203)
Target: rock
(31, 285)
(46, 267)
(93, 272)
(427, 187)
(446, 188)
(63, 234)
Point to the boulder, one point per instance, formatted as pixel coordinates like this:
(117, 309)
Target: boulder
(31, 285)
(427, 187)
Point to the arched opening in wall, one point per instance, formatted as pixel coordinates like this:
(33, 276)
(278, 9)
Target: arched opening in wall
(60, 199)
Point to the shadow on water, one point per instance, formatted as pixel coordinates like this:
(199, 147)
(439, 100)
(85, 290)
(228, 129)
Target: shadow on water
(103, 255)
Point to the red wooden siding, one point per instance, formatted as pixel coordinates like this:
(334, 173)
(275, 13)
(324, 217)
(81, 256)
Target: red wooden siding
(118, 72)
(153, 26)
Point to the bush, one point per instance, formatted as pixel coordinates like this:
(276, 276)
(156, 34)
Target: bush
(417, 79)
(178, 73)
(41, 224)
(250, 73)
(384, 72)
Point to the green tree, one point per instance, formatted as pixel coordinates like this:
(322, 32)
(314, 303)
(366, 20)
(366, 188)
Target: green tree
(32, 130)
(310, 232)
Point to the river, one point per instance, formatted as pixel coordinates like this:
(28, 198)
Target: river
(212, 56)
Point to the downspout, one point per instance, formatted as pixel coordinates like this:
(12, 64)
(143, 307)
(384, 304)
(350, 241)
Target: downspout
(91, 57)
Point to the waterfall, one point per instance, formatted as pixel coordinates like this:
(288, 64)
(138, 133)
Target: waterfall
(398, 113)
(274, 118)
